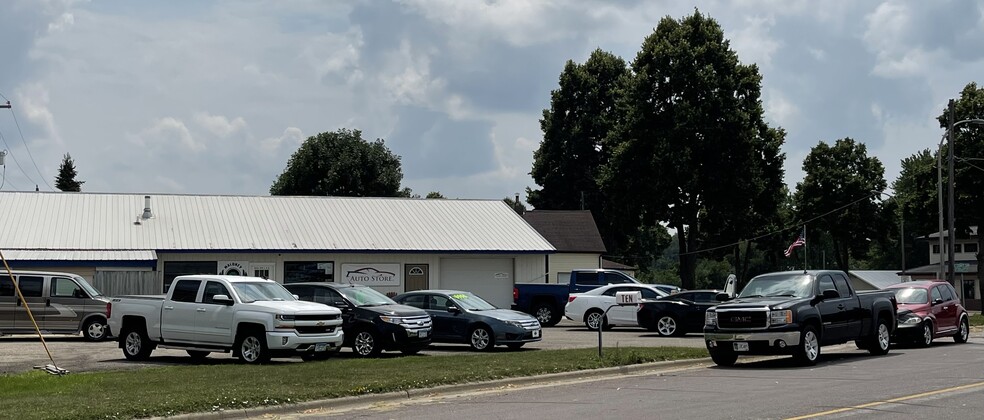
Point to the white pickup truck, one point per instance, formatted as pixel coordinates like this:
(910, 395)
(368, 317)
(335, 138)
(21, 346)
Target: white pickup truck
(254, 318)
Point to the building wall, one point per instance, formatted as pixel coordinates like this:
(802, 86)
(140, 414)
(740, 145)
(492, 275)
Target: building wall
(561, 265)
(934, 257)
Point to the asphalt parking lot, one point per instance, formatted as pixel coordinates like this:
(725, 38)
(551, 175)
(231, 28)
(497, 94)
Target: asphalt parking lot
(21, 353)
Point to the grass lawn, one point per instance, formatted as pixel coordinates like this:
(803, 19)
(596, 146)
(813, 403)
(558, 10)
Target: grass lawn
(976, 320)
(198, 388)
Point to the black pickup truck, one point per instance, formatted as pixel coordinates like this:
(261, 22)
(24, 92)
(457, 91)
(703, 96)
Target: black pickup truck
(796, 312)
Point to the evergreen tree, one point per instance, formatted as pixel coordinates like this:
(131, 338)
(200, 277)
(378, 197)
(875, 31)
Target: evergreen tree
(66, 176)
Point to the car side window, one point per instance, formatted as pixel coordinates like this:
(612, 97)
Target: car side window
(649, 294)
(585, 277)
(63, 287)
(945, 291)
(704, 297)
(335, 299)
(6, 286)
(30, 286)
(826, 283)
(213, 288)
(616, 278)
(936, 295)
(439, 303)
(186, 290)
(417, 301)
(613, 290)
(841, 283)
(953, 293)
(683, 296)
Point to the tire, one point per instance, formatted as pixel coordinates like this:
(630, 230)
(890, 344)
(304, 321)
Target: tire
(481, 339)
(925, 339)
(593, 318)
(515, 346)
(881, 339)
(198, 355)
(136, 344)
(366, 344)
(668, 326)
(861, 345)
(252, 348)
(546, 314)
(808, 349)
(963, 333)
(95, 329)
(724, 357)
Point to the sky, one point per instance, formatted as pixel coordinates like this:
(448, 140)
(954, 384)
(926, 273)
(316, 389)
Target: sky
(213, 97)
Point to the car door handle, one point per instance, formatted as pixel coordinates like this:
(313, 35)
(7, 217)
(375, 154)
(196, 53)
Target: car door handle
(841, 306)
(168, 308)
(200, 310)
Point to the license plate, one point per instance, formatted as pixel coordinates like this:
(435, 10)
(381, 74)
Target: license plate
(536, 333)
(741, 346)
(321, 347)
(423, 333)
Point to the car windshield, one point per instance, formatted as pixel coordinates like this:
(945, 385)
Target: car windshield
(88, 287)
(365, 296)
(790, 285)
(471, 302)
(253, 291)
(911, 295)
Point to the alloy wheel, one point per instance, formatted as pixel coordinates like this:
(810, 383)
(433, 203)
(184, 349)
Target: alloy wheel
(250, 349)
(666, 326)
(811, 346)
(364, 343)
(134, 342)
(480, 338)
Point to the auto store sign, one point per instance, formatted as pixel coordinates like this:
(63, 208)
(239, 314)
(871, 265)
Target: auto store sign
(371, 274)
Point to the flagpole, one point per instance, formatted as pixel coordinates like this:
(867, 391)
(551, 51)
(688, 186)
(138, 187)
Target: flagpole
(805, 253)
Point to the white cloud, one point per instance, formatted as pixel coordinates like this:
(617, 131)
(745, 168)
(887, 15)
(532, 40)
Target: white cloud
(778, 108)
(33, 101)
(219, 125)
(63, 22)
(291, 139)
(165, 132)
(754, 41)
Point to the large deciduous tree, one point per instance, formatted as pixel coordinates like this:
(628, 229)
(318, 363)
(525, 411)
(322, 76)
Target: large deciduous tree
(341, 163)
(967, 147)
(842, 187)
(568, 162)
(65, 181)
(917, 198)
(692, 149)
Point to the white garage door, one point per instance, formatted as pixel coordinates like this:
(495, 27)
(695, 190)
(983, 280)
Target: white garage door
(490, 278)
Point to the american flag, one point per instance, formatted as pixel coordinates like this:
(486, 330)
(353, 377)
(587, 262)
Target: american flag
(800, 241)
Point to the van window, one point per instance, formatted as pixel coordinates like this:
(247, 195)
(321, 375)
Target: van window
(6, 286)
(186, 290)
(62, 287)
(30, 286)
(585, 277)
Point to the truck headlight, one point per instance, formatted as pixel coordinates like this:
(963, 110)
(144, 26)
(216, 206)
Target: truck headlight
(710, 318)
(910, 320)
(781, 317)
(283, 317)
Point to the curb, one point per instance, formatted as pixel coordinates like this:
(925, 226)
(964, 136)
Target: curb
(410, 394)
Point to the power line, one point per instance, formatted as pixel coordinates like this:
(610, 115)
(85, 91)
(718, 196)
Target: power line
(11, 153)
(29, 151)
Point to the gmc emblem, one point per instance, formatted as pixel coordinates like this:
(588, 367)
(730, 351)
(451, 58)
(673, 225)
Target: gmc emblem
(741, 319)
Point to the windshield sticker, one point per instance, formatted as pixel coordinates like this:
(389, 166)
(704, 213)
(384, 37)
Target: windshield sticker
(459, 296)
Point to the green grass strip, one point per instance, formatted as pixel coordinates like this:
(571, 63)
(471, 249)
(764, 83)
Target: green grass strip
(172, 390)
(976, 320)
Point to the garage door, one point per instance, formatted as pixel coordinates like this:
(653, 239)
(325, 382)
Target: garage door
(490, 278)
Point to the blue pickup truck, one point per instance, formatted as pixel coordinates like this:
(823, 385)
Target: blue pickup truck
(546, 301)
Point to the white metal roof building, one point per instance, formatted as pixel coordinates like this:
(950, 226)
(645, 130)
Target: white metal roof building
(423, 243)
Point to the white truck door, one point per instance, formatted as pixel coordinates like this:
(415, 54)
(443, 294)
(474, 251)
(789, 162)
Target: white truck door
(179, 314)
(215, 318)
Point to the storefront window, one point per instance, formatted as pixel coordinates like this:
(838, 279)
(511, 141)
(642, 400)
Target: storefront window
(302, 271)
(969, 290)
(182, 268)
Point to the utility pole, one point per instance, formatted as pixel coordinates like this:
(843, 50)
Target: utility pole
(6, 105)
(950, 233)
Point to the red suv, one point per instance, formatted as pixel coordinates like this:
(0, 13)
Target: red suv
(929, 309)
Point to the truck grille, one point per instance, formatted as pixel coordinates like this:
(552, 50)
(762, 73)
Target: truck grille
(316, 317)
(743, 319)
(315, 330)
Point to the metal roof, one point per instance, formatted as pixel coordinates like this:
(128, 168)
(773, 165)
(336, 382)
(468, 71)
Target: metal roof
(879, 279)
(103, 221)
(78, 255)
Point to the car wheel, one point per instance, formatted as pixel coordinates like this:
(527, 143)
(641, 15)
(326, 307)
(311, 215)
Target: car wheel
(253, 349)
(963, 333)
(95, 329)
(808, 351)
(481, 339)
(724, 357)
(881, 340)
(926, 338)
(366, 344)
(546, 315)
(136, 344)
(198, 355)
(667, 326)
(515, 346)
(593, 319)
(861, 345)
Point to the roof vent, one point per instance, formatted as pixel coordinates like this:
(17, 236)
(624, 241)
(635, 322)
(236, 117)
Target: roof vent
(147, 214)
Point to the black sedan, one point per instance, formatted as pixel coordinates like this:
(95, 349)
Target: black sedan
(463, 317)
(677, 314)
(371, 321)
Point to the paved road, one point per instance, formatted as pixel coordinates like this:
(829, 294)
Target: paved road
(941, 382)
(23, 352)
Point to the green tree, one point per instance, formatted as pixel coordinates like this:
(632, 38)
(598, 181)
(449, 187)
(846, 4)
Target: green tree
(968, 145)
(568, 162)
(65, 181)
(917, 199)
(515, 204)
(842, 186)
(435, 194)
(692, 149)
(341, 163)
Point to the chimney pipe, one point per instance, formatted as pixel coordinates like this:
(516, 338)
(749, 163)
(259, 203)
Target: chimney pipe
(147, 214)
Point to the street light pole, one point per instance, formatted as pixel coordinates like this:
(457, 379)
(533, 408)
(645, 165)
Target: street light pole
(949, 213)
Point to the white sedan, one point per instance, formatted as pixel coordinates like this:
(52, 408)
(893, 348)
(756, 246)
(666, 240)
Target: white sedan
(588, 307)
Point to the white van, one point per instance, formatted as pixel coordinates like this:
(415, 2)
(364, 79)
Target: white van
(61, 303)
